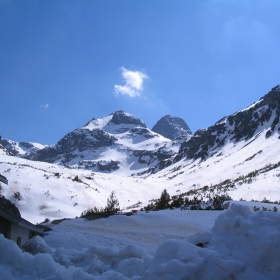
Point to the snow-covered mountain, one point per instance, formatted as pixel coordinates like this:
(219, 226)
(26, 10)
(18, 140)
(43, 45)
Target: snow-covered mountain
(119, 142)
(240, 154)
(261, 119)
(21, 148)
(172, 127)
(122, 143)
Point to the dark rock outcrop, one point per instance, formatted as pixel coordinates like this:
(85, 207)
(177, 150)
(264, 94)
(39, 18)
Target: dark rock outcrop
(79, 139)
(107, 166)
(172, 127)
(121, 117)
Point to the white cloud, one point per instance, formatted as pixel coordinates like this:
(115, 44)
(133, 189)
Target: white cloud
(133, 83)
(126, 90)
(46, 106)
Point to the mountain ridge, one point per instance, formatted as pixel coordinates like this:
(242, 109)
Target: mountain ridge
(242, 125)
(122, 141)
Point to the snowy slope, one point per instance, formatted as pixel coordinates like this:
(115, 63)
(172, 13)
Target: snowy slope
(242, 143)
(233, 162)
(49, 191)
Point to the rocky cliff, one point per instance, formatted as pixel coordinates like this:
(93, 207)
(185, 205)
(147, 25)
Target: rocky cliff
(172, 127)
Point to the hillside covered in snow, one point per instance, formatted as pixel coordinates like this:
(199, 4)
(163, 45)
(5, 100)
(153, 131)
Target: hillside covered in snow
(237, 157)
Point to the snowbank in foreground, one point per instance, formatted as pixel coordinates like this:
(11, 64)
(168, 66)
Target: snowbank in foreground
(241, 245)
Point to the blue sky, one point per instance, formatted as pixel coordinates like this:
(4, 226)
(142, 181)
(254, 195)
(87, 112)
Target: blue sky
(66, 62)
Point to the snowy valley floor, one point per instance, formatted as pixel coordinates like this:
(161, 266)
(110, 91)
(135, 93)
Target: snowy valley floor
(234, 244)
(147, 230)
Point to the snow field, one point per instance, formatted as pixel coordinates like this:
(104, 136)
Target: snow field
(241, 245)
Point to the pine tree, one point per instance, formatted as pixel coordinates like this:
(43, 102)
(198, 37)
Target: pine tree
(113, 205)
(164, 200)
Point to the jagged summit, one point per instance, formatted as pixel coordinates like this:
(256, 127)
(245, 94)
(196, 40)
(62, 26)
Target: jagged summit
(121, 117)
(117, 122)
(172, 127)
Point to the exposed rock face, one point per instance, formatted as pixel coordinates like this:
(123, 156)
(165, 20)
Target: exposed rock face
(172, 127)
(78, 140)
(244, 125)
(121, 117)
(111, 165)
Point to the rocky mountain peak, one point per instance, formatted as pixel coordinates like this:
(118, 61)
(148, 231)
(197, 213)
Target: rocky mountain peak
(172, 127)
(273, 96)
(121, 117)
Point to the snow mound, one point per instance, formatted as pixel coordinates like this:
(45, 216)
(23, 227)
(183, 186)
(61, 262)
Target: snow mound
(35, 245)
(241, 245)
